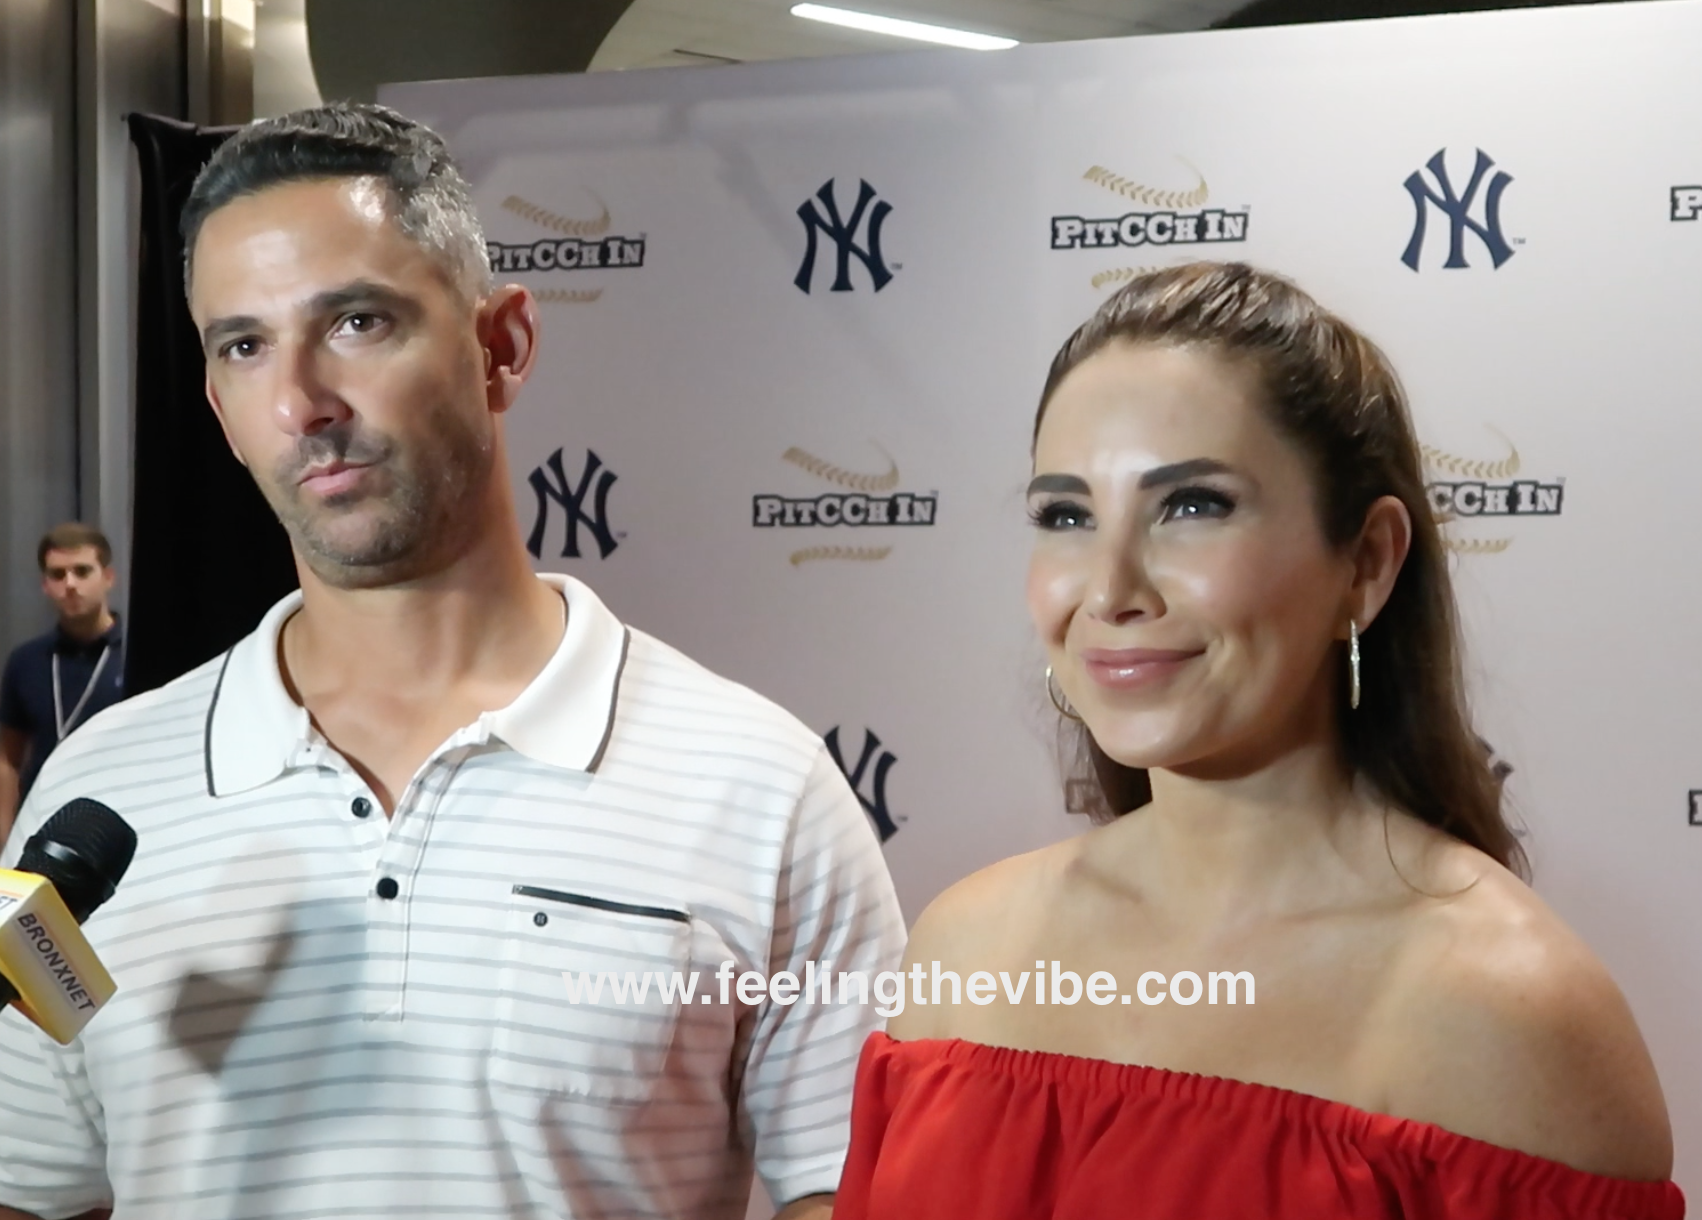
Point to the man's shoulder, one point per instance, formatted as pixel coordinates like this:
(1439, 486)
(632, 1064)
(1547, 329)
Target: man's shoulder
(36, 649)
(149, 720)
(671, 689)
(23, 681)
(145, 752)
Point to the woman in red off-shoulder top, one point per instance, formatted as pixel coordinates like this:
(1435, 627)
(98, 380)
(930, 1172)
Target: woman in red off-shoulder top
(1293, 974)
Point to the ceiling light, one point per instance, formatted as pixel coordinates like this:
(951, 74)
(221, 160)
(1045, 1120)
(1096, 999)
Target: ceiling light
(902, 29)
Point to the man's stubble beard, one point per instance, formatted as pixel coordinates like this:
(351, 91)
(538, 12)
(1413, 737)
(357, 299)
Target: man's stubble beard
(432, 508)
(84, 620)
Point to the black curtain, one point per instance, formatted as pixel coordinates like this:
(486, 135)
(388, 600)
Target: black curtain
(208, 558)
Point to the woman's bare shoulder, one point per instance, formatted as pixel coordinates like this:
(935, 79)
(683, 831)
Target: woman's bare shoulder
(979, 912)
(1501, 1024)
(975, 923)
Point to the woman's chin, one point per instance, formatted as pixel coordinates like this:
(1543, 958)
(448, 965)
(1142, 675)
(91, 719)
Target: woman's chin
(1141, 754)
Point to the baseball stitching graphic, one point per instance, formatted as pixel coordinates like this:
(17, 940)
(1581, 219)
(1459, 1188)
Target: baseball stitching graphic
(1119, 275)
(546, 219)
(568, 296)
(864, 554)
(1476, 546)
(1466, 468)
(1150, 196)
(830, 473)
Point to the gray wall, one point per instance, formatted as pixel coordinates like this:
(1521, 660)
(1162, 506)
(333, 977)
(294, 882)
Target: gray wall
(69, 71)
(38, 318)
(129, 57)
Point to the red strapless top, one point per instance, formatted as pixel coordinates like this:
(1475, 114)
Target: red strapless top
(948, 1130)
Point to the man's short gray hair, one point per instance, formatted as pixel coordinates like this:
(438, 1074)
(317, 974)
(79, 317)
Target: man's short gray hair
(429, 199)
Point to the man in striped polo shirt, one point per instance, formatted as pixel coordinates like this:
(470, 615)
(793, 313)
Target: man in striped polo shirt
(377, 834)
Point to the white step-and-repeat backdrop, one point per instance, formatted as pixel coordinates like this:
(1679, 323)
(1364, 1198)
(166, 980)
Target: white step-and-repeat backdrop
(797, 316)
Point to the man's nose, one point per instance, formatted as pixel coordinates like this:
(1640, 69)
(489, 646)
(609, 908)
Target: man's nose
(305, 403)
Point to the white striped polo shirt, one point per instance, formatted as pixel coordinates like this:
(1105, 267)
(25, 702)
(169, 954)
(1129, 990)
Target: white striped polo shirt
(324, 1013)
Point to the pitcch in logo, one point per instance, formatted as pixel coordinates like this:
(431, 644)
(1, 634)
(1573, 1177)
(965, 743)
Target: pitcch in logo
(863, 501)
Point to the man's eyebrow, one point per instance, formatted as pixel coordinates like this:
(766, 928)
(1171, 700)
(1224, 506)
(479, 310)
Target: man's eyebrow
(332, 300)
(221, 328)
(1178, 472)
(360, 292)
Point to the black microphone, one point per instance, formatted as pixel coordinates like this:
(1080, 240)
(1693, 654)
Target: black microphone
(82, 852)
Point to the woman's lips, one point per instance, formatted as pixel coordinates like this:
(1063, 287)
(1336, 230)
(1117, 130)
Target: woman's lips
(1132, 668)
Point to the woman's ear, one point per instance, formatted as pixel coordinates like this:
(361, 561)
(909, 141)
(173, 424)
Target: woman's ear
(1378, 554)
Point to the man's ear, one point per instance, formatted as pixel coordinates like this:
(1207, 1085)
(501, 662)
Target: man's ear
(508, 332)
(219, 414)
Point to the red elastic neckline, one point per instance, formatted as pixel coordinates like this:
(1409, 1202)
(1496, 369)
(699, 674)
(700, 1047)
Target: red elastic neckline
(1424, 1142)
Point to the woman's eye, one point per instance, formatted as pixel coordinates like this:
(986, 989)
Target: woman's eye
(1060, 515)
(1189, 503)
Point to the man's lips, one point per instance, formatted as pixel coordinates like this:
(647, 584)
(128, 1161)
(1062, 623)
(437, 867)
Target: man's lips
(1131, 668)
(334, 478)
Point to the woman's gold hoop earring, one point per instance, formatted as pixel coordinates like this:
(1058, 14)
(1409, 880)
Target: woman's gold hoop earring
(1058, 701)
(1352, 664)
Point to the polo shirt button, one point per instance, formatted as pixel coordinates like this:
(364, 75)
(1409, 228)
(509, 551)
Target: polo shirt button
(387, 887)
(360, 807)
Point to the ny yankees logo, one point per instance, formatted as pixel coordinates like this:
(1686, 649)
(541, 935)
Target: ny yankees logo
(875, 802)
(1457, 208)
(843, 233)
(549, 482)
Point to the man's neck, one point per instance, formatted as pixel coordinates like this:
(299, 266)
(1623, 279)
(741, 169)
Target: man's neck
(88, 627)
(485, 618)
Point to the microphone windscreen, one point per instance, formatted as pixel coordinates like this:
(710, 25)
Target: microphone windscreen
(84, 850)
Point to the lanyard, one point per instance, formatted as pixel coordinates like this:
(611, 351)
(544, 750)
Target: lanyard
(60, 722)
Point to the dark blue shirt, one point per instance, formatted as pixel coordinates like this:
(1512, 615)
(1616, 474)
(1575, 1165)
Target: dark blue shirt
(26, 689)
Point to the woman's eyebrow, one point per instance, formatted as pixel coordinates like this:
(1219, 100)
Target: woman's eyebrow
(1179, 472)
(1073, 484)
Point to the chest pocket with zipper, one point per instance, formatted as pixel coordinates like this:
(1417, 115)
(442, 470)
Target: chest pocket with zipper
(585, 1007)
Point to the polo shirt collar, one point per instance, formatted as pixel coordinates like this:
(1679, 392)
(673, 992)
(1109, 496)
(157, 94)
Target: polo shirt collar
(565, 715)
(257, 732)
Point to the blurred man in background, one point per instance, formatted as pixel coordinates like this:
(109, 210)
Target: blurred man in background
(58, 680)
